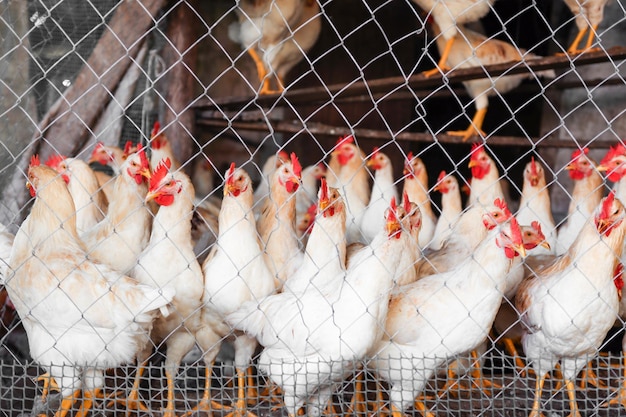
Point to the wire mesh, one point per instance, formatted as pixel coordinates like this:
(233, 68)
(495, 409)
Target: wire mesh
(347, 329)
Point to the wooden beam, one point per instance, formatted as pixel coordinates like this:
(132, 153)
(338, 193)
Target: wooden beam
(319, 129)
(416, 82)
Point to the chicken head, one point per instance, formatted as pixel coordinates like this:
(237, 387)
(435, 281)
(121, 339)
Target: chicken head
(609, 215)
(480, 163)
(580, 165)
(163, 186)
(137, 165)
(345, 149)
(510, 239)
(614, 163)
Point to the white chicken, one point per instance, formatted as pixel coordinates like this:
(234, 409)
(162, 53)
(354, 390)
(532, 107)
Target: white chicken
(235, 271)
(416, 186)
(451, 208)
(587, 193)
(315, 339)
(485, 185)
(121, 236)
(589, 15)
(448, 14)
(277, 222)
(569, 306)
(473, 49)
(444, 315)
(277, 34)
(169, 263)
(89, 200)
(535, 205)
(81, 317)
(325, 254)
(383, 190)
(307, 193)
(348, 173)
(262, 190)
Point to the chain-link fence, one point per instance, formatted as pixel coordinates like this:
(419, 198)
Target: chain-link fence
(264, 267)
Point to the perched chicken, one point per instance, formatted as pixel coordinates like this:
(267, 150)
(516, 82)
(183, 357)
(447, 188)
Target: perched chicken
(569, 306)
(486, 183)
(90, 201)
(451, 208)
(81, 317)
(348, 173)
(472, 49)
(277, 34)
(161, 148)
(535, 205)
(121, 236)
(383, 190)
(235, 271)
(444, 315)
(448, 14)
(589, 15)
(416, 186)
(315, 339)
(169, 263)
(587, 193)
(465, 236)
(307, 193)
(277, 223)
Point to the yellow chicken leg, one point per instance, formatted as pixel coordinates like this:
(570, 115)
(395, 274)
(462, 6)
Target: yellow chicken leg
(478, 378)
(509, 346)
(88, 399)
(252, 393)
(475, 127)
(442, 65)
(571, 394)
(536, 411)
(67, 403)
(239, 408)
(132, 401)
(206, 404)
(358, 404)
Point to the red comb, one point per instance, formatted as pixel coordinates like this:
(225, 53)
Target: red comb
(441, 176)
(614, 151)
(344, 139)
(406, 203)
(155, 129)
(516, 232)
(159, 173)
(142, 156)
(533, 166)
(54, 161)
(375, 151)
(409, 157)
(230, 174)
(605, 212)
(297, 168)
(323, 190)
(283, 156)
(537, 226)
(34, 161)
(391, 213)
(501, 204)
(579, 152)
(477, 148)
(128, 148)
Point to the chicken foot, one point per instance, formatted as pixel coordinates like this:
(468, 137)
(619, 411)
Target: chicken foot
(536, 410)
(476, 376)
(442, 65)
(48, 384)
(621, 391)
(475, 127)
(239, 408)
(574, 49)
(88, 399)
(509, 346)
(358, 404)
(571, 394)
(206, 404)
(263, 74)
(132, 401)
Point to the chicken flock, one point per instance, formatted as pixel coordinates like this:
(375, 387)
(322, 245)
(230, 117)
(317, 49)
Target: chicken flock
(369, 277)
(328, 270)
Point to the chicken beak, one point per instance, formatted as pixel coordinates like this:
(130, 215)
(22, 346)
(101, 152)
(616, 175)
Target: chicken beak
(602, 226)
(146, 173)
(601, 168)
(152, 195)
(472, 164)
(393, 227)
(545, 244)
(520, 249)
(323, 204)
(569, 167)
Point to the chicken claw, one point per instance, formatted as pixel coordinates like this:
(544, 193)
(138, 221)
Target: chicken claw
(48, 384)
(474, 129)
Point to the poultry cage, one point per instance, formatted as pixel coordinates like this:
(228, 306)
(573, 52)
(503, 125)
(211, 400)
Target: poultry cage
(306, 249)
